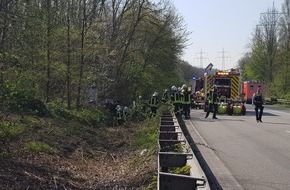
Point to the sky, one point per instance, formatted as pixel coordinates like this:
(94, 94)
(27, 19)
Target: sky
(220, 30)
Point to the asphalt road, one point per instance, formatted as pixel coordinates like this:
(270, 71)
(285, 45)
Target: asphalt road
(242, 153)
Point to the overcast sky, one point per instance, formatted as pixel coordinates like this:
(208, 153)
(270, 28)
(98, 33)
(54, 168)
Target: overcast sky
(220, 29)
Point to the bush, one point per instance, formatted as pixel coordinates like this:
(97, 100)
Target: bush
(37, 146)
(21, 100)
(9, 130)
(58, 110)
(93, 117)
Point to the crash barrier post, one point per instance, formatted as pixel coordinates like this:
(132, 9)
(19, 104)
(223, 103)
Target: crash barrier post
(174, 153)
(179, 182)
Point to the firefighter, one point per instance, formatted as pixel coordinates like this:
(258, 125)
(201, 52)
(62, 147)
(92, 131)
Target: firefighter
(119, 115)
(165, 96)
(257, 100)
(141, 104)
(153, 103)
(186, 100)
(125, 113)
(175, 100)
(213, 103)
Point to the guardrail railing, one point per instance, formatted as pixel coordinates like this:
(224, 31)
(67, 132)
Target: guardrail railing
(175, 153)
(277, 101)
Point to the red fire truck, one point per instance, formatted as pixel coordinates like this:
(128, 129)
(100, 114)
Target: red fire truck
(249, 88)
(227, 83)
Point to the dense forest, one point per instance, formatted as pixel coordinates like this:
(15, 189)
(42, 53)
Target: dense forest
(56, 50)
(268, 58)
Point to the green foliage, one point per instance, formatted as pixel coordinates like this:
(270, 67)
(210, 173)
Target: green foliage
(19, 99)
(59, 110)
(132, 50)
(185, 170)
(8, 60)
(94, 117)
(268, 58)
(38, 146)
(10, 130)
(148, 135)
(153, 184)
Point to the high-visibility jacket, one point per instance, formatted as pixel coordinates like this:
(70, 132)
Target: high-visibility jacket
(213, 97)
(153, 101)
(186, 97)
(175, 97)
(119, 114)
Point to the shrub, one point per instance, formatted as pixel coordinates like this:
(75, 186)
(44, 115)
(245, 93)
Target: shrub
(58, 110)
(19, 99)
(37, 146)
(10, 130)
(93, 117)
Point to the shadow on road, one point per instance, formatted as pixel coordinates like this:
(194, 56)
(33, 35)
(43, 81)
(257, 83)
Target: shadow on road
(275, 123)
(213, 182)
(253, 113)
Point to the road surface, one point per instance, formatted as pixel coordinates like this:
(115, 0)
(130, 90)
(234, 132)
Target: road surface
(244, 154)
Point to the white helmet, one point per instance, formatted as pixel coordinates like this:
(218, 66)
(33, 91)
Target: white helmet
(118, 108)
(173, 88)
(184, 86)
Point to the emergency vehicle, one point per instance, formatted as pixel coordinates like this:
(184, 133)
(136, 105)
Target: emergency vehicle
(228, 88)
(249, 88)
(197, 92)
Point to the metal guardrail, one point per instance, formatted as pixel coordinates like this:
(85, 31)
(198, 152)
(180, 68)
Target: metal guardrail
(172, 155)
(168, 181)
(277, 101)
(283, 101)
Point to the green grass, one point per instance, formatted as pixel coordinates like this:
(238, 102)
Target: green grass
(10, 130)
(185, 170)
(38, 146)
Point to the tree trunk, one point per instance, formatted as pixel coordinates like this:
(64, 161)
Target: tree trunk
(82, 56)
(68, 74)
(48, 53)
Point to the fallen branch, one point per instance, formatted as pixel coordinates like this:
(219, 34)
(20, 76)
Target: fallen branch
(33, 175)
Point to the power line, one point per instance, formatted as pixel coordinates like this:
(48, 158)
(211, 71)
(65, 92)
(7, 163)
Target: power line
(200, 57)
(223, 57)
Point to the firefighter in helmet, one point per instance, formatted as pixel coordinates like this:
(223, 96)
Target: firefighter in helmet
(175, 99)
(153, 104)
(186, 98)
(165, 96)
(213, 100)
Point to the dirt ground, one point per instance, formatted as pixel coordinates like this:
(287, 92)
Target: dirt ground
(112, 165)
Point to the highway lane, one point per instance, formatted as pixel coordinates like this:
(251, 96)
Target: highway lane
(256, 154)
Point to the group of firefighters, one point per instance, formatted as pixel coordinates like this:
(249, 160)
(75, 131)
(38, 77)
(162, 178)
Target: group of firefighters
(181, 98)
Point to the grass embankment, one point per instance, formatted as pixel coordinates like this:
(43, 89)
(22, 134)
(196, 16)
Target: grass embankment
(76, 150)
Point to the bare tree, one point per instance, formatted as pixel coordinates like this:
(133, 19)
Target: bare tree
(269, 23)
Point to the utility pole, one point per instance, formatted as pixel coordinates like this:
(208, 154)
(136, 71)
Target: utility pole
(267, 32)
(223, 57)
(200, 57)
